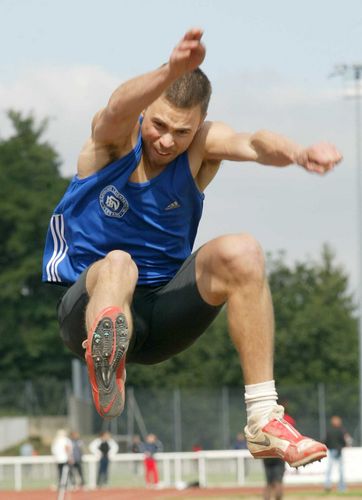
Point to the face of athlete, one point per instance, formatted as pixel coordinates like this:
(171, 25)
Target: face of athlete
(167, 131)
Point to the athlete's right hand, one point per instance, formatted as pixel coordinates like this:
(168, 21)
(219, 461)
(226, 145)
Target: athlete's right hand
(188, 53)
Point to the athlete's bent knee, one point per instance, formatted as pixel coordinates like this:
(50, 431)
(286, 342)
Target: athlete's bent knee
(119, 262)
(243, 257)
(117, 266)
(118, 258)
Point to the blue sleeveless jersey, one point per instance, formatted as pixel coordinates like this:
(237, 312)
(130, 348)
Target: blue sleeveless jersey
(155, 222)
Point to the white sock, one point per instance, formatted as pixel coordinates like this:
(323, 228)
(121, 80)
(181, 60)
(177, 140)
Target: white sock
(260, 399)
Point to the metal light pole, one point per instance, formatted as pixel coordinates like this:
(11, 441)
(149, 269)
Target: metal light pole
(355, 70)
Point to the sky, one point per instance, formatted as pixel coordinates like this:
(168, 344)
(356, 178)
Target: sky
(270, 64)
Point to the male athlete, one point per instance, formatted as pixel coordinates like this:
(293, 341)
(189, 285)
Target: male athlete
(122, 237)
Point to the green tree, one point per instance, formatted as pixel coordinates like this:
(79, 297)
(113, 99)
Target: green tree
(316, 328)
(30, 186)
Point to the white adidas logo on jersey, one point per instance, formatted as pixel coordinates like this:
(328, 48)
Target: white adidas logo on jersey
(174, 204)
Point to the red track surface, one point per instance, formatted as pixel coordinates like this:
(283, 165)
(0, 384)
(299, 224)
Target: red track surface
(126, 494)
(165, 494)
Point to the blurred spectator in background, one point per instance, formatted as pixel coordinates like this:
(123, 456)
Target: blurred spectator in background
(274, 472)
(336, 439)
(61, 449)
(240, 442)
(150, 447)
(274, 468)
(76, 460)
(104, 448)
(26, 449)
(136, 447)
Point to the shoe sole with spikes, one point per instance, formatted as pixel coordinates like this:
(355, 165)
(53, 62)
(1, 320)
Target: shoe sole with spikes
(106, 350)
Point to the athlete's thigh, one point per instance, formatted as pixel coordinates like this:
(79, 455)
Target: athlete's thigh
(71, 315)
(179, 317)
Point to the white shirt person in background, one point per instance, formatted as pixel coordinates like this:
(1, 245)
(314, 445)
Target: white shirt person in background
(61, 449)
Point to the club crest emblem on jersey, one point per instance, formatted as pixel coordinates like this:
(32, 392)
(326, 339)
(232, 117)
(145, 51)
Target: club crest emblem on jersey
(113, 203)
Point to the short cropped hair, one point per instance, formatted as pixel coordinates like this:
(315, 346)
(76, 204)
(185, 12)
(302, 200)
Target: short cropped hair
(191, 89)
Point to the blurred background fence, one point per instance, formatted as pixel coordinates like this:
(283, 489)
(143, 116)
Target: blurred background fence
(206, 418)
(204, 468)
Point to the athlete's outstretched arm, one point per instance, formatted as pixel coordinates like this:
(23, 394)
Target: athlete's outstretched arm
(119, 118)
(267, 148)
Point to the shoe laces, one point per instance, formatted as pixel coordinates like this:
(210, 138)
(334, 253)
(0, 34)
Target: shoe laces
(277, 412)
(258, 421)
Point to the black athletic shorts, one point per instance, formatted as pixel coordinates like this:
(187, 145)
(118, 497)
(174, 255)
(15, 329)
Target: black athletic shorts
(274, 470)
(166, 319)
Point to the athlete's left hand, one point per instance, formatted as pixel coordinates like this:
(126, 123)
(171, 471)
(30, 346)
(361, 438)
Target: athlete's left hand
(320, 158)
(188, 53)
